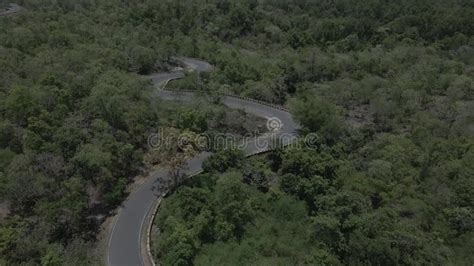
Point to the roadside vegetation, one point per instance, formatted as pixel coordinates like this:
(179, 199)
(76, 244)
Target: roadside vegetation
(388, 87)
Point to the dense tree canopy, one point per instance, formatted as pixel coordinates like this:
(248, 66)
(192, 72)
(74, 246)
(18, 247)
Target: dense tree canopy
(388, 89)
(386, 85)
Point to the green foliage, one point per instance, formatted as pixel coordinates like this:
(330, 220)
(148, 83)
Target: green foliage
(221, 220)
(141, 59)
(192, 120)
(89, 160)
(319, 116)
(21, 103)
(387, 86)
(53, 257)
(73, 125)
(382, 209)
(223, 160)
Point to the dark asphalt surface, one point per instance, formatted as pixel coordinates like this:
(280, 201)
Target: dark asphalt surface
(124, 247)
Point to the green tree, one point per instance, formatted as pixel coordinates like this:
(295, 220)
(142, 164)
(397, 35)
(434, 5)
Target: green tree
(319, 116)
(22, 103)
(223, 160)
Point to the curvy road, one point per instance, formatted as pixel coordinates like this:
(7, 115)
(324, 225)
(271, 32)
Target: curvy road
(126, 241)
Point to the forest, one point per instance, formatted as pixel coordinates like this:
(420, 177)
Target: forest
(388, 86)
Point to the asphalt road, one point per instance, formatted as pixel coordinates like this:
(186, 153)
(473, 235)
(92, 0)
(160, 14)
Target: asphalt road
(125, 242)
